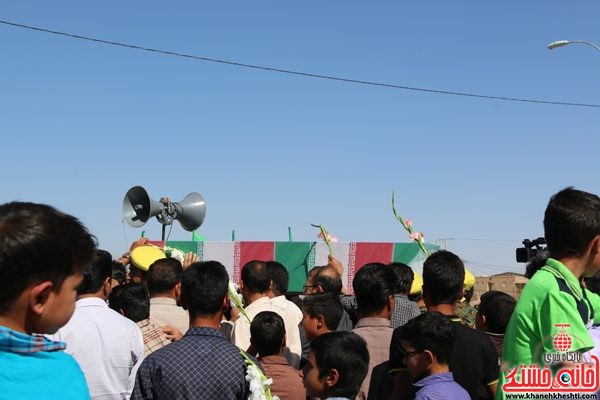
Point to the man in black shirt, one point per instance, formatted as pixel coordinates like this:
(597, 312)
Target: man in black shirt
(474, 359)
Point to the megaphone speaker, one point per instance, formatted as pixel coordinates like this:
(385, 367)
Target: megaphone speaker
(191, 211)
(138, 208)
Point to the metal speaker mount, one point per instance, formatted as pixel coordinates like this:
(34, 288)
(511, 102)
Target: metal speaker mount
(138, 208)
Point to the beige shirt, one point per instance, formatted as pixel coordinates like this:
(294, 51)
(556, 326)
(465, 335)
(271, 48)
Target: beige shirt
(377, 332)
(241, 328)
(165, 311)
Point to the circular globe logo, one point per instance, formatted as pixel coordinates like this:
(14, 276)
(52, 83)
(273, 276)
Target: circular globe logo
(562, 342)
(565, 378)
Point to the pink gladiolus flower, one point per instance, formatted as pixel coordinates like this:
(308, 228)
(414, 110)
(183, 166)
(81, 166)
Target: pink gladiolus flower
(408, 223)
(333, 239)
(418, 236)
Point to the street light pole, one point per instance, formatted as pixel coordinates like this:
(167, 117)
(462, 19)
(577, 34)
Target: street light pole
(561, 43)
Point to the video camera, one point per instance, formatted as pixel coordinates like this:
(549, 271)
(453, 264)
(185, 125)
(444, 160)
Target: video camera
(531, 249)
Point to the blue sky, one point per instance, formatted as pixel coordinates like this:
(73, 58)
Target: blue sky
(83, 122)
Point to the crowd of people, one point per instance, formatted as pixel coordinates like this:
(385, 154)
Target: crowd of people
(76, 324)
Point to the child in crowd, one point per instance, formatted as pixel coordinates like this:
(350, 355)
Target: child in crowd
(554, 295)
(493, 314)
(267, 336)
(42, 255)
(321, 313)
(427, 342)
(337, 364)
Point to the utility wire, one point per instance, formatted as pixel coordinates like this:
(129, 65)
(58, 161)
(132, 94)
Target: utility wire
(298, 73)
(488, 240)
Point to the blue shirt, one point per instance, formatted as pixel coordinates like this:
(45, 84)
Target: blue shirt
(34, 367)
(201, 365)
(439, 386)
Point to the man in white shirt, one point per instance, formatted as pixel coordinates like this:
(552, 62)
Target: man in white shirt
(255, 288)
(279, 286)
(164, 285)
(105, 344)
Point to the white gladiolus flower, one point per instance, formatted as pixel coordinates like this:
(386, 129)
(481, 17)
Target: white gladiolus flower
(260, 385)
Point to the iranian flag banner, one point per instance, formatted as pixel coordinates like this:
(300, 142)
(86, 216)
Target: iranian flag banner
(299, 257)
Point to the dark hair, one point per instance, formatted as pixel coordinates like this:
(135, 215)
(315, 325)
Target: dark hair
(443, 277)
(132, 299)
(430, 331)
(328, 279)
(203, 288)
(96, 273)
(256, 277)
(39, 243)
(345, 352)
(571, 222)
(326, 304)
(497, 308)
(267, 331)
(404, 277)
(592, 283)
(536, 263)
(415, 297)
(163, 275)
(468, 294)
(373, 284)
(279, 276)
(119, 272)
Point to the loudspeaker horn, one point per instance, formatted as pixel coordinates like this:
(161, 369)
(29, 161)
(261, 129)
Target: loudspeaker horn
(191, 211)
(138, 208)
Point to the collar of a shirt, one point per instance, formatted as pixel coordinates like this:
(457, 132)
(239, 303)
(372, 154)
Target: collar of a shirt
(163, 300)
(275, 359)
(443, 377)
(373, 321)
(143, 323)
(17, 342)
(204, 331)
(258, 303)
(91, 301)
(559, 270)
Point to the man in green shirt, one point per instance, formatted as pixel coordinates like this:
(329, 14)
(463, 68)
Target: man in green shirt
(554, 295)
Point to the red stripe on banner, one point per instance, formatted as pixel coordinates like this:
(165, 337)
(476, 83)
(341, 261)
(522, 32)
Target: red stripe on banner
(373, 252)
(249, 251)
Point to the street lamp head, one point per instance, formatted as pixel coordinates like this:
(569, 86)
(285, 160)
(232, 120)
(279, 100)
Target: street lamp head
(558, 43)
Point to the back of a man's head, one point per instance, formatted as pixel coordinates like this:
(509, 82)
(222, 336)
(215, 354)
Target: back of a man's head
(328, 279)
(279, 276)
(443, 277)
(203, 288)
(571, 222)
(404, 277)
(326, 304)
(96, 274)
(39, 243)
(373, 285)
(267, 331)
(497, 308)
(255, 277)
(132, 300)
(163, 276)
(347, 353)
(430, 331)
